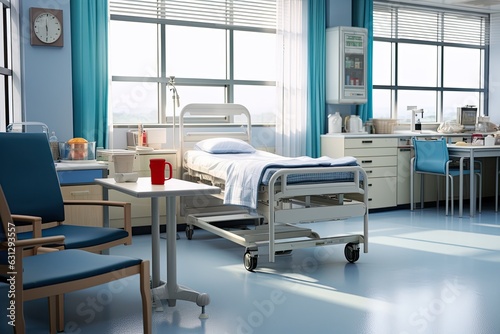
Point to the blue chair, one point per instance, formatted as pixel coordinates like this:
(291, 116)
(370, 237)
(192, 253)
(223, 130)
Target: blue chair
(51, 273)
(431, 157)
(31, 186)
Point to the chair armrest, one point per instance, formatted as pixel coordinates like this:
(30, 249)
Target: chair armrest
(127, 209)
(57, 239)
(95, 202)
(34, 221)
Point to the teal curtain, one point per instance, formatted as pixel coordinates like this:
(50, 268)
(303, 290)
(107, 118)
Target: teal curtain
(89, 47)
(316, 64)
(362, 16)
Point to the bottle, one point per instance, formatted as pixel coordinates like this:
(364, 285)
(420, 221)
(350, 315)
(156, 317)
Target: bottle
(418, 125)
(54, 145)
(139, 135)
(144, 138)
(334, 123)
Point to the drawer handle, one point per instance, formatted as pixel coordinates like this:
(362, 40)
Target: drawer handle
(367, 141)
(366, 161)
(369, 199)
(369, 184)
(368, 171)
(80, 193)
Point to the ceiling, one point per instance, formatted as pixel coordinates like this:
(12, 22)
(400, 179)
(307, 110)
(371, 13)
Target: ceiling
(490, 6)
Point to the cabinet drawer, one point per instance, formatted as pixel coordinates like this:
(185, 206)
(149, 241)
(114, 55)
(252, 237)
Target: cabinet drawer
(382, 192)
(370, 142)
(381, 171)
(83, 214)
(377, 161)
(374, 151)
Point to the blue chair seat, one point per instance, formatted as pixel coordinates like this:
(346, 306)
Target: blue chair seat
(55, 267)
(80, 236)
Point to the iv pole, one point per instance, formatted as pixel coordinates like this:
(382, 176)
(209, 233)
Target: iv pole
(176, 102)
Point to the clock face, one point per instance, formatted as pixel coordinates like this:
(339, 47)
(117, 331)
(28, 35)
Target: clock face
(47, 28)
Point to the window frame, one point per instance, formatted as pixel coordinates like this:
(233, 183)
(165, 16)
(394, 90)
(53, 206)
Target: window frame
(162, 79)
(394, 87)
(6, 72)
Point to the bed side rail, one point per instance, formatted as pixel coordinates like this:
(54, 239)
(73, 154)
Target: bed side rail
(287, 190)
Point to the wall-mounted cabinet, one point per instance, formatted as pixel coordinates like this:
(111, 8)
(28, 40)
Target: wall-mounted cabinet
(346, 65)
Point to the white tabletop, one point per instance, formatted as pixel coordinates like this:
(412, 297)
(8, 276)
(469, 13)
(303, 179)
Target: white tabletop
(172, 187)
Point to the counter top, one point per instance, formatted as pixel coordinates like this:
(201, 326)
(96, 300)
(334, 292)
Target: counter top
(80, 165)
(402, 134)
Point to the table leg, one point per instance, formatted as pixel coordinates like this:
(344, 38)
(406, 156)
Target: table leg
(496, 185)
(155, 241)
(171, 250)
(105, 214)
(472, 185)
(461, 192)
(172, 291)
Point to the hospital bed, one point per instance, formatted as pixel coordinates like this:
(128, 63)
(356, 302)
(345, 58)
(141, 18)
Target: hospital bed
(277, 194)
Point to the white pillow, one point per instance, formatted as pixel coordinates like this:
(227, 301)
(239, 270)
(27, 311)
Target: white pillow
(224, 145)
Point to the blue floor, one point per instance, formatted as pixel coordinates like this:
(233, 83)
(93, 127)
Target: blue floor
(424, 273)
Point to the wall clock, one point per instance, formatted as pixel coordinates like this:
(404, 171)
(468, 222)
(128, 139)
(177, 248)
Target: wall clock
(46, 26)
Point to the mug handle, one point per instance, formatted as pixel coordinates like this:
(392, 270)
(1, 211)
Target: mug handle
(169, 169)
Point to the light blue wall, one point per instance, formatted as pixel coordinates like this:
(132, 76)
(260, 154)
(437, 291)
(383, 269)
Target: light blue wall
(46, 74)
(338, 13)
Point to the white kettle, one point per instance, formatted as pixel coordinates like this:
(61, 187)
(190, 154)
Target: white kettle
(353, 124)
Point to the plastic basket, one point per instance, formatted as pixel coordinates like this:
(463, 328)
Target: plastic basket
(384, 125)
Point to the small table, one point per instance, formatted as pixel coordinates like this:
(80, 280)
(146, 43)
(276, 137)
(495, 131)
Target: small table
(471, 152)
(170, 190)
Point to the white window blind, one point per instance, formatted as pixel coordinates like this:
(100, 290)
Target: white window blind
(440, 25)
(244, 13)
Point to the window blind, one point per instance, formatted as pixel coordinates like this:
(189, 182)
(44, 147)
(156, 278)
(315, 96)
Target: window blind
(246, 13)
(441, 25)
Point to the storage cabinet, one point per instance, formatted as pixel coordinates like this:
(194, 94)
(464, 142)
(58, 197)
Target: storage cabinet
(83, 214)
(77, 183)
(379, 159)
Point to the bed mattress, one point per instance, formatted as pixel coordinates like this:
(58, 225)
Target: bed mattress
(244, 172)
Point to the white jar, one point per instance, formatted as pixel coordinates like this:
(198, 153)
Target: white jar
(489, 140)
(334, 123)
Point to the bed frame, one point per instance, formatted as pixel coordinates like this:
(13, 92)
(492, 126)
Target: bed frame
(282, 206)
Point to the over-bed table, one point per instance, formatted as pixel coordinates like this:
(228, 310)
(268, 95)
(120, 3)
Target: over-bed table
(286, 192)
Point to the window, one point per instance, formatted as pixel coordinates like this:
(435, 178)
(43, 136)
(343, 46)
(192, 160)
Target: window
(429, 57)
(6, 110)
(221, 51)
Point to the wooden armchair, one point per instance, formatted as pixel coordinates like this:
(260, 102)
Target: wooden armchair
(31, 186)
(52, 273)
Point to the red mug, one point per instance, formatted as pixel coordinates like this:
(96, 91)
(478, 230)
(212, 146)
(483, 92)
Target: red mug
(157, 167)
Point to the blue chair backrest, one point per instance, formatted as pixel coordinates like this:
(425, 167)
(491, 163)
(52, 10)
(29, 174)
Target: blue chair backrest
(4, 218)
(28, 176)
(430, 155)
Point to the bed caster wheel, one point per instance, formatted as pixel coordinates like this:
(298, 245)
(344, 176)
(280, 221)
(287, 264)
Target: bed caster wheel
(189, 232)
(250, 261)
(351, 252)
